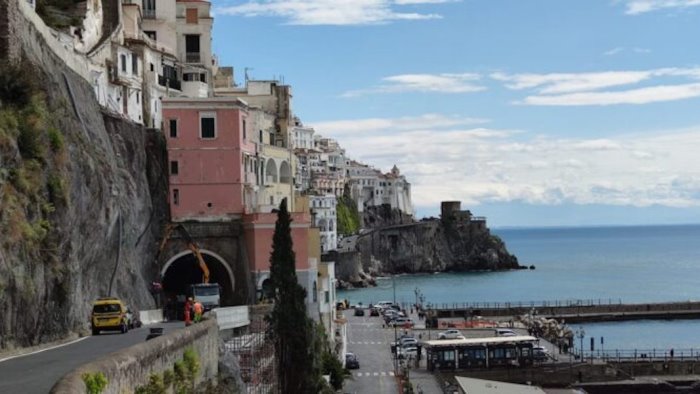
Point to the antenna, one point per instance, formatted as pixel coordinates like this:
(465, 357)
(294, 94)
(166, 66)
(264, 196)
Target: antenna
(245, 71)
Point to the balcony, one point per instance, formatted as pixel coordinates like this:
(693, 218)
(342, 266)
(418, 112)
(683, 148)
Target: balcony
(171, 83)
(193, 57)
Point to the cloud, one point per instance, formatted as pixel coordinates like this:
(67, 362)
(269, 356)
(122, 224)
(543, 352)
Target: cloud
(575, 89)
(430, 83)
(331, 12)
(445, 160)
(618, 50)
(635, 96)
(394, 125)
(636, 7)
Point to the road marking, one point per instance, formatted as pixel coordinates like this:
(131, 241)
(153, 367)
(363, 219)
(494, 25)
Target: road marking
(43, 350)
(383, 373)
(391, 373)
(376, 374)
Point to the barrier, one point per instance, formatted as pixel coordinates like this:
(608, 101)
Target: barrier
(151, 316)
(232, 317)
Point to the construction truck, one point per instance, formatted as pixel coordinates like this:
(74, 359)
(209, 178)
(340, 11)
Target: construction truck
(209, 294)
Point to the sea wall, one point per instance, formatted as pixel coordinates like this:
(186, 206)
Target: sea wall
(130, 368)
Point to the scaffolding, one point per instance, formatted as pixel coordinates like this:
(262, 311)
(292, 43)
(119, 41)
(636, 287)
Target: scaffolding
(255, 353)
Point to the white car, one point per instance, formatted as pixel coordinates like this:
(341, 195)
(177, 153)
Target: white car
(450, 334)
(504, 332)
(409, 351)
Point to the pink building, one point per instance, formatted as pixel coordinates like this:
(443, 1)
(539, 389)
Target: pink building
(208, 158)
(212, 178)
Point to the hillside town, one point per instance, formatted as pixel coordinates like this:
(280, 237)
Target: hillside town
(235, 149)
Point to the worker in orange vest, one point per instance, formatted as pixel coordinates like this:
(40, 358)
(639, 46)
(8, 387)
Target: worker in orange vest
(198, 310)
(188, 309)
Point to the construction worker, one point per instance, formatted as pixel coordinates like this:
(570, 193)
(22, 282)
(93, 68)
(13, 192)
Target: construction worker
(198, 310)
(188, 309)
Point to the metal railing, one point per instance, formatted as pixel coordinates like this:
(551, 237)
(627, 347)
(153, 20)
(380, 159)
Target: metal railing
(524, 304)
(193, 57)
(149, 13)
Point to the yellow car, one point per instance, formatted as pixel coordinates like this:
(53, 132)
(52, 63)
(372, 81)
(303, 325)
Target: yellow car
(109, 313)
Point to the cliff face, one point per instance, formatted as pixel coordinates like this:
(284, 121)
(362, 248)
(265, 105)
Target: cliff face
(78, 213)
(428, 246)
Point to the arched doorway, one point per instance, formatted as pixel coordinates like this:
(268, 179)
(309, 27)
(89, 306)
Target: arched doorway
(183, 270)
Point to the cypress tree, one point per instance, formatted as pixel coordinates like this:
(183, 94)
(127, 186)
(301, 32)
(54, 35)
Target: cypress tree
(291, 328)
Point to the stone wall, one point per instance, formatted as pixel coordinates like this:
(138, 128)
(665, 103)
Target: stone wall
(130, 368)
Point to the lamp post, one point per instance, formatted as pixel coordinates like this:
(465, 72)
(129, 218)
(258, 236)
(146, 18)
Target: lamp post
(580, 333)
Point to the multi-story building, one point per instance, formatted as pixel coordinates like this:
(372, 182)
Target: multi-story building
(323, 213)
(369, 187)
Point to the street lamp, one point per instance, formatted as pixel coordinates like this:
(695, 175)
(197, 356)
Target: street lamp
(580, 333)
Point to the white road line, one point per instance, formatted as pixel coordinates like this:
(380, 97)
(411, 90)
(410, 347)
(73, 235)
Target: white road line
(383, 373)
(43, 350)
(376, 374)
(359, 374)
(391, 373)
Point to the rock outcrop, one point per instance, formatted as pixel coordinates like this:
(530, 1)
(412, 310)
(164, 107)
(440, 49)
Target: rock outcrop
(90, 213)
(455, 242)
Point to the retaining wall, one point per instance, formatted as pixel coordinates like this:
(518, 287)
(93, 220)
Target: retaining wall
(130, 368)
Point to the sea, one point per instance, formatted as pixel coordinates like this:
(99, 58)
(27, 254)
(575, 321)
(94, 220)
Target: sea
(627, 264)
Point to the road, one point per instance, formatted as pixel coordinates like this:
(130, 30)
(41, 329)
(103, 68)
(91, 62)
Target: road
(371, 343)
(38, 372)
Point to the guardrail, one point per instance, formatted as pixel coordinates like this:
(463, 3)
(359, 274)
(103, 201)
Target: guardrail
(526, 304)
(642, 355)
(232, 317)
(151, 316)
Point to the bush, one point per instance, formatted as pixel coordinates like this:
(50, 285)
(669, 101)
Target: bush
(95, 383)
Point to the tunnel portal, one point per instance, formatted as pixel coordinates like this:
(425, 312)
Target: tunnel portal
(183, 270)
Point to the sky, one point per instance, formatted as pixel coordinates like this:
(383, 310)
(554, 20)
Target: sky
(530, 112)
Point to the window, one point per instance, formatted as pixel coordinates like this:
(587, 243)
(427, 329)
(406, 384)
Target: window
(123, 61)
(134, 64)
(207, 123)
(149, 9)
(176, 196)
(174, 167)
(173, 128)
(261, 137)
(327, 296)
(315, 292)
(138, 98)
(151, 34)
(245, 134)
(152, 68)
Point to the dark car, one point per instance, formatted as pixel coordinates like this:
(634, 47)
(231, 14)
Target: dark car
(351, 361)
(359, 312)
(374, 312)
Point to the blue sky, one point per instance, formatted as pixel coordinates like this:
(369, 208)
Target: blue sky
(533, 113)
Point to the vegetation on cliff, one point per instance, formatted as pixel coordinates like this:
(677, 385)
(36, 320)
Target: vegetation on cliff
(347, 215)
(32, 170)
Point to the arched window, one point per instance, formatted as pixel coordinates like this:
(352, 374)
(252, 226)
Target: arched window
(270, 172)
(285, 173)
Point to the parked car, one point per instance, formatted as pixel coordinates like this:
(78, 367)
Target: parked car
(408, 341)
(407, 352)
(384, 304)
(505, 332)
(450, 334)
(359, 312)
(374, 311)
(351, 361)
(540, 353)
(401, 322)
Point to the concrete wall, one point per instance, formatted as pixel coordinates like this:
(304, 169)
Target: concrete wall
(130, 368)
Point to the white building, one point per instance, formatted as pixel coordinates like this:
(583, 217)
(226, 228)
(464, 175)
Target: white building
(323, 212)
(369, 187)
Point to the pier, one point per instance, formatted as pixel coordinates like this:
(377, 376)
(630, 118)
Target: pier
(571, 311)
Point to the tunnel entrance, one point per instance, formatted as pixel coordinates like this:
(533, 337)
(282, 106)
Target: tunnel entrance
(183, 270)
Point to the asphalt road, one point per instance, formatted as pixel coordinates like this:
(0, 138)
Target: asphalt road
(36, 373)
(371, 343)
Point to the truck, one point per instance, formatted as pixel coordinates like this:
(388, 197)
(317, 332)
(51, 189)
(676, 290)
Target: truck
(209, 294)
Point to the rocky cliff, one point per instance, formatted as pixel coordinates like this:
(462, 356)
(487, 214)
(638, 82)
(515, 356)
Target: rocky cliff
(78, 217)
(452, 243)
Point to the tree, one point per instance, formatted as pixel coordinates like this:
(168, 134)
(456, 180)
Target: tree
(292, 330)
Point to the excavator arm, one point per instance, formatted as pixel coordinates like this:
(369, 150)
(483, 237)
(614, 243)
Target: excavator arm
(190, 244)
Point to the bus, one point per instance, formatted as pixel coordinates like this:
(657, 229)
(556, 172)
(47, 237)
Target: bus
(453, 354)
